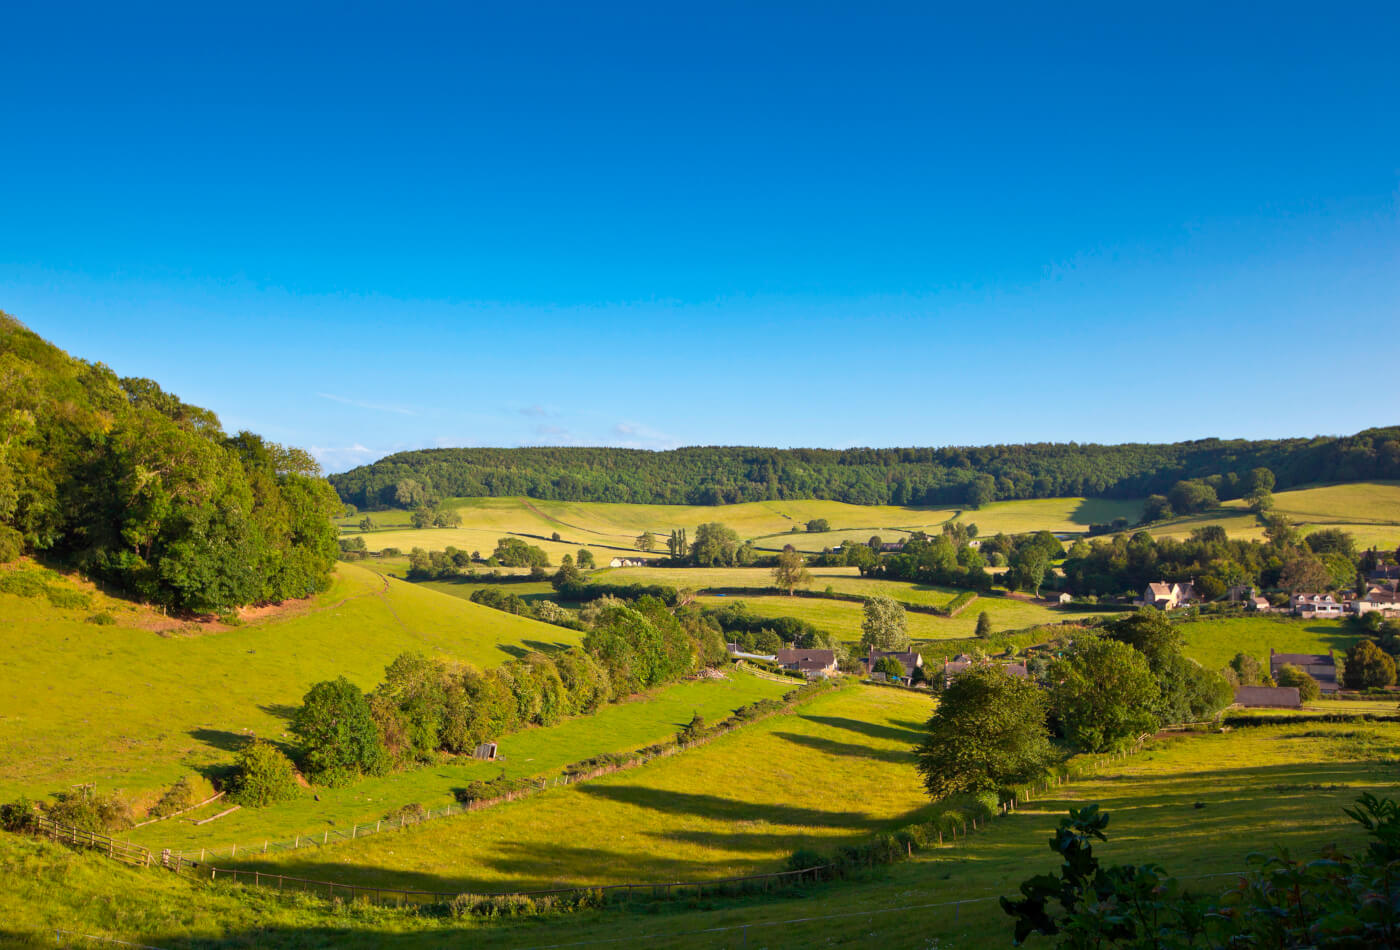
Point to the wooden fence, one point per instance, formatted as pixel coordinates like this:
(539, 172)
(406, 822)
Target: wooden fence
(328, 836)
(123, 851)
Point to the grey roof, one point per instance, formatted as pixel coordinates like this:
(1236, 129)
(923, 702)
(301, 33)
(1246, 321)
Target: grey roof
(1282, 697)
(807, 659)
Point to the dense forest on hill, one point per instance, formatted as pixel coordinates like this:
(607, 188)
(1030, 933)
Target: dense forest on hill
(956, 475)
(123, 480)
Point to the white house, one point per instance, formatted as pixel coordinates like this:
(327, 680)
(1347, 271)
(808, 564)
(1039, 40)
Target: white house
(1315, 605)
(627, 562)
(1165, 596)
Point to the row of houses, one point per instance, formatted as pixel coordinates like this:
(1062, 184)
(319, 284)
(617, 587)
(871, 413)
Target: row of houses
(1382, 597)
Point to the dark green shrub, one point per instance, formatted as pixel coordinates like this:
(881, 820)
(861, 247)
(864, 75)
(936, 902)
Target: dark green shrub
(102, 619)
(67, 599)
(11, 544)
(17, 815)
(90, 812)
(804, 858)
(177, 797)
(264, 776)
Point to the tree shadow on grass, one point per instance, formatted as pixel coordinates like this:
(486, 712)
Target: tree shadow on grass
(847, 749)
(280, 710)
(221, 739)
(895, 733)
(725, 809)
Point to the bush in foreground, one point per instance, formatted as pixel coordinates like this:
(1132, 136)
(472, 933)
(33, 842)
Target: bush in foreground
(264, 776)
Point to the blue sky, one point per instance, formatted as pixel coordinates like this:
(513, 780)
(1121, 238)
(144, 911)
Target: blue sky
(363, 229)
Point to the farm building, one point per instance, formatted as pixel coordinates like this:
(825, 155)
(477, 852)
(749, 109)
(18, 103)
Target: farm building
(1259, 605)
(627, 562)
(910, 660)
(1167, 596)
(1268, 697)
(1315, 605)
(951, 668)
(813, 663)
(1320, 666)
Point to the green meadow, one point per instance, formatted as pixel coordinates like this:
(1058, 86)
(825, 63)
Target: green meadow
(619, 727)
(1196, 803)
(1214, 642)
(838, 769)
(133, 709)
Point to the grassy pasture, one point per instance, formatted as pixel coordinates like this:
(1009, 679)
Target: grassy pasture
(612, 528)
(1065, 515)
(1259, 788)
(837, 770)
(842, 580)
(1214, 642)
(131, 709)
(843, 618)
(619, 727)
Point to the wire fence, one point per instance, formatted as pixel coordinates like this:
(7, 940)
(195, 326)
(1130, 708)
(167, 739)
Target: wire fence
(579, 894)
(71, 938)
(526, 787)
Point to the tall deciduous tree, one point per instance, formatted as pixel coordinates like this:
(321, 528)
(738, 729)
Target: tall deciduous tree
(791, 571)
(884, 626)
(989, 732)
(339, 737)
(1367, 666)
(1104, 695)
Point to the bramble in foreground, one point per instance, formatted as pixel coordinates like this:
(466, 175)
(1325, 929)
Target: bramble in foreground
(1337, 901)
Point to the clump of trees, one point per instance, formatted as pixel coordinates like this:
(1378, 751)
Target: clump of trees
(1367, 667)
(123, 480)
(425, 706)
(1122, 564)
(993, 729)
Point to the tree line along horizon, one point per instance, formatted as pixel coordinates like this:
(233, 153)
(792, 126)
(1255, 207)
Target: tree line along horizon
(122, 480)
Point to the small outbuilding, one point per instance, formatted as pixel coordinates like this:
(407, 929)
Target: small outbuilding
(1268, 697)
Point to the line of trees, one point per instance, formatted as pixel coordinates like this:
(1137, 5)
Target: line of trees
(122, 480)
(1323, 560)
(425, 707)
(958, 475)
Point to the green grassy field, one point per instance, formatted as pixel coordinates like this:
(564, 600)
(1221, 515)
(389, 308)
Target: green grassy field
(131, 709)
(839, 769)
(842, 580)
(843, 618)
(612, 528)
(1256, 789)
(619, 727)
(1214, 642)
(1064, 515)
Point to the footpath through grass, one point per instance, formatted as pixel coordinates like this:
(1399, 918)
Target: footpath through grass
(620, 727)
(131, 709)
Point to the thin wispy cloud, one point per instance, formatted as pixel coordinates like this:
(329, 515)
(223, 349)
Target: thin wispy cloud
(638, 436)
(360, 404)
(336, 458)
(537, 411)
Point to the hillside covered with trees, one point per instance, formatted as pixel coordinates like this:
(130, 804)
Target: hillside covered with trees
(956, 475)
(121, 479)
